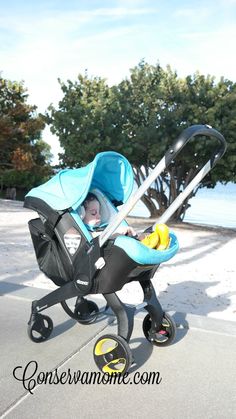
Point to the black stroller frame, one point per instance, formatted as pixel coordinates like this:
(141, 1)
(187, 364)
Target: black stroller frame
(87, 273)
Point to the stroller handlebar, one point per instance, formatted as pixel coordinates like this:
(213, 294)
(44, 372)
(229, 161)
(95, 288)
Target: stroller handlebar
(182, 140)
(193, 131)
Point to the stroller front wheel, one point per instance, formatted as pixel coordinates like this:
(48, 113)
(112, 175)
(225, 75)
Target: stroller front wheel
(112, 354)
(162, 337)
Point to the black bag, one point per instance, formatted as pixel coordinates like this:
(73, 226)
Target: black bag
(49, 254)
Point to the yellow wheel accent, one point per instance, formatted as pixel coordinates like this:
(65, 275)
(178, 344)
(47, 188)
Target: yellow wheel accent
(113, 366)
(112, 354)
(100, 347)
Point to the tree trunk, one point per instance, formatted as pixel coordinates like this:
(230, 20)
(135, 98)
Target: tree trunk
(156, 199)
(154, 213)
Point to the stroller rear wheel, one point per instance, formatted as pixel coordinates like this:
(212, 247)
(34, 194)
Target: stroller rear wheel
(86, 311)
(39, 327)
(83, 310)
(162, 337)
(112, 354)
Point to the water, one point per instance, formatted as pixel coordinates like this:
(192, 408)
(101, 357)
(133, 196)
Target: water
(215, 207)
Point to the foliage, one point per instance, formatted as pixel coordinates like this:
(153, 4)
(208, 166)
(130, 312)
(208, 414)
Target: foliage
(141, 117)
(24, 157)
(24, 179)
(84, 121)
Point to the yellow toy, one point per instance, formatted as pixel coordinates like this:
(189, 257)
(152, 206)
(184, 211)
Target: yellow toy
(159, 239)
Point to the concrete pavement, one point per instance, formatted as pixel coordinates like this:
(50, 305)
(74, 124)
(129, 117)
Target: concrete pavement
(197, 374)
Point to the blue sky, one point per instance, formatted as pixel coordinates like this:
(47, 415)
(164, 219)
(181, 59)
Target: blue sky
(41, 41)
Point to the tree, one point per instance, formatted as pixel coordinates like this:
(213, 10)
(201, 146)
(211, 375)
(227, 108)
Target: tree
(157, 106)
(24, 157)
(85, 120)
(141, 117)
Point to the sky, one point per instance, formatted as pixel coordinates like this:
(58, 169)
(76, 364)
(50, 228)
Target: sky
(50, 39)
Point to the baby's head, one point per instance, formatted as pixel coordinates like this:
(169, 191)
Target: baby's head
(92, 210)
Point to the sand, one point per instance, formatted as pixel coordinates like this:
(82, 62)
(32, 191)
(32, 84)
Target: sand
(200, 279)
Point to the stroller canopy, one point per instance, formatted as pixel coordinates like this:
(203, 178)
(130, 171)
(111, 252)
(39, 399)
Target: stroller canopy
(110, 172)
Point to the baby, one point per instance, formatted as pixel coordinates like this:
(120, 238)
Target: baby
(93, 219)
(92, 215)
(158, 239)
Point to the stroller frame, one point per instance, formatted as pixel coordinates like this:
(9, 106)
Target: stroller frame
(92, 257)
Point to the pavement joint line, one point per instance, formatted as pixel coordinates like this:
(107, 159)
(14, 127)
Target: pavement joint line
(15, 244)
(138, 317)
(214, 332)
(61, 364)
(13, 405)
(191, 321)
(15, 297)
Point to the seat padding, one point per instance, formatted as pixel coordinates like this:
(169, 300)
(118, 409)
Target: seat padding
(144, 255)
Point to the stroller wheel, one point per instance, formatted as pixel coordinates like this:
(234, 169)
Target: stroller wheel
(85, 311)
(163, 337)
(112, 354)
(39, 328)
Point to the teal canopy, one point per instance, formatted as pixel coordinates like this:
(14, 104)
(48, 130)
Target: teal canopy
(110, 172)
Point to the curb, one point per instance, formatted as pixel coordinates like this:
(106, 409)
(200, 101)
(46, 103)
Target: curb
(195, 321)
(182, 320)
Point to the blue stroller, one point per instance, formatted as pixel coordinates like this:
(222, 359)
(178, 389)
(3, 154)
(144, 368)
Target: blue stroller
(80, 264)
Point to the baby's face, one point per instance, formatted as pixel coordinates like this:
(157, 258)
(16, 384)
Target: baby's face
(92, 213)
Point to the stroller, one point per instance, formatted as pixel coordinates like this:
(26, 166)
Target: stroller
(80, 264)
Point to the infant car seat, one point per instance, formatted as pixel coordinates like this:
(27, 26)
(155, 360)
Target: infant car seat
(80, 264)
(71, 257)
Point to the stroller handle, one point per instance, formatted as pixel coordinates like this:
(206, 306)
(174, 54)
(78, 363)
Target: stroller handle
(191, 132)
(182, 140)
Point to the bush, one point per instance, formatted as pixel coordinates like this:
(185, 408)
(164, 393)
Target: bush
(24, 179)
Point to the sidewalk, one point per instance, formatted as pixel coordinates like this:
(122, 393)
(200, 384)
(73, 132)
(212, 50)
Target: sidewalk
(197, 372)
